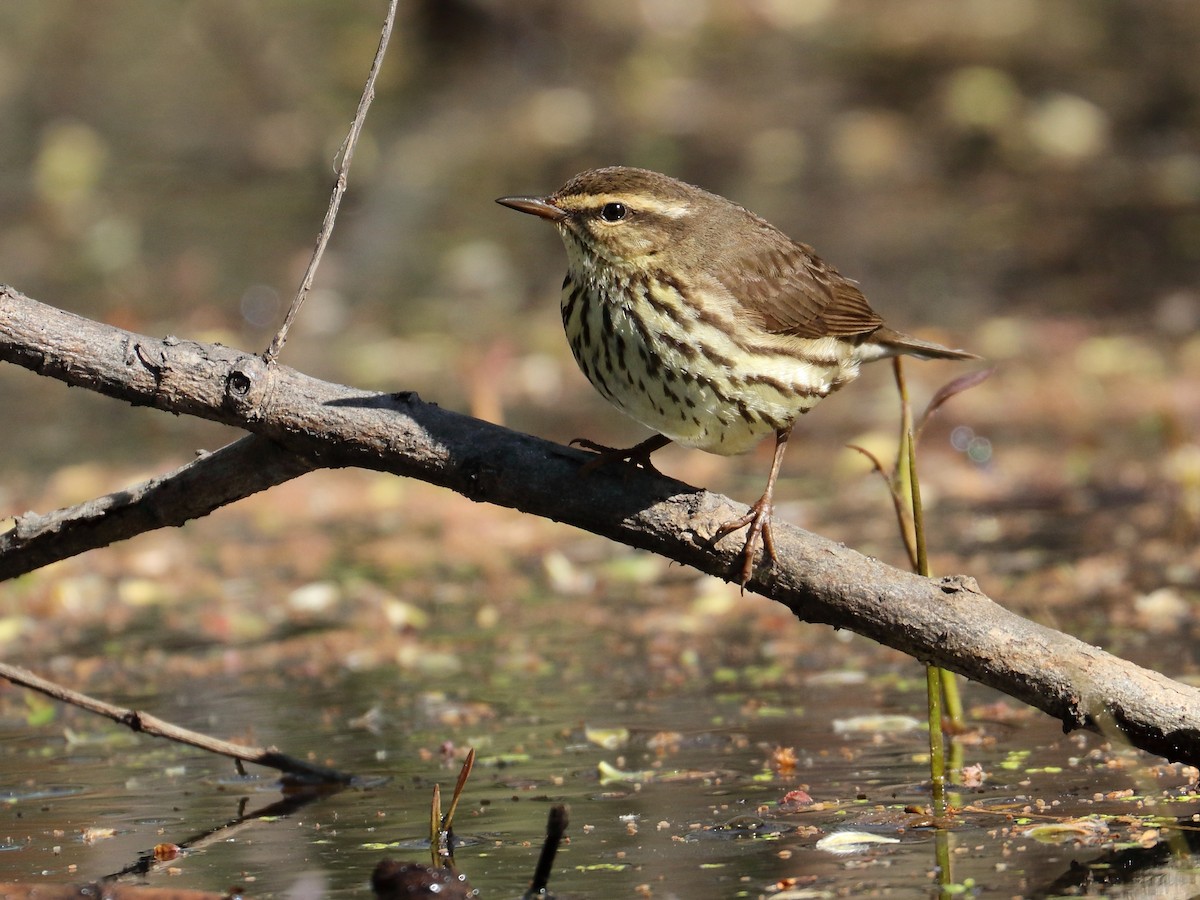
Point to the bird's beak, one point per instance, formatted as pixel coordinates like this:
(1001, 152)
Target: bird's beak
(542, 207)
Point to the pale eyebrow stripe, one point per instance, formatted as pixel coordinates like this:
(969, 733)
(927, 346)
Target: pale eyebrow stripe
(673, 209)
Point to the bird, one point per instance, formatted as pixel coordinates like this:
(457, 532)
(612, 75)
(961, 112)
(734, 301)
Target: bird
(704, 322)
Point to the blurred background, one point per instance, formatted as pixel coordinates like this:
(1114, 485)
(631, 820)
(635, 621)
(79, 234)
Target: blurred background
(976, 164)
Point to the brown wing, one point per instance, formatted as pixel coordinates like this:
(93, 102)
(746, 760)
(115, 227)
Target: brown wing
(791, 290)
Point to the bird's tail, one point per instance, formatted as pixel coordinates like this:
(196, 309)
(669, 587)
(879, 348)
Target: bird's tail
(896, 343)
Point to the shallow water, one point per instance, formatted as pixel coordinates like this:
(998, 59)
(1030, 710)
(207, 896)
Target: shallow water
(698, 817)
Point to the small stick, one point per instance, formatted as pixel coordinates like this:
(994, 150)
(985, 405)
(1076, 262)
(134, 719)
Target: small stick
(339, 189)
(556, 827)
(148, 724)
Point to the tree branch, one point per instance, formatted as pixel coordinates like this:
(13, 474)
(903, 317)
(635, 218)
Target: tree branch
(247, 466)
(947, 622)
(152, 725)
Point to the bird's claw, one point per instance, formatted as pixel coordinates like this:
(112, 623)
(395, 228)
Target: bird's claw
(759, 521)
(638, 456)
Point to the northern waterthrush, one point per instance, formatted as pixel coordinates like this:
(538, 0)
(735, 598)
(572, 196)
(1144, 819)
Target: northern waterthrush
(704, 322)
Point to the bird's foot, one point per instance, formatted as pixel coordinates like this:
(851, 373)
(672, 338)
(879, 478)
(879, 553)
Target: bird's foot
(759, 521)
(639, 455)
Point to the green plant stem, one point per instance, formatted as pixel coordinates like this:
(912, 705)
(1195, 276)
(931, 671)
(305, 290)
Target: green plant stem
(918, 520)
(942, 847)
(902, 474)
(937, 746)
(934, 681)
(906, 463)
(939, 685)
(952, 702)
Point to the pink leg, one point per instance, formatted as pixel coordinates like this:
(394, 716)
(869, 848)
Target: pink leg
(759, 517)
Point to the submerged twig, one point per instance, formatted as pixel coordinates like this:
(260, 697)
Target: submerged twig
(152, 725)
(556, 829)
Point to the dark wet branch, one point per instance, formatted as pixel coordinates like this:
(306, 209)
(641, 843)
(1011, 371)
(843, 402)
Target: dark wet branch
(147, 724)
(947, 622)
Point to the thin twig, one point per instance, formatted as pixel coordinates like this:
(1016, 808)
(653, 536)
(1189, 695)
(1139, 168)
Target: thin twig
(148, 724)
(339, 188)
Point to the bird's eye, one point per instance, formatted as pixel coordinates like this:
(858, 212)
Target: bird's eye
(613, 212)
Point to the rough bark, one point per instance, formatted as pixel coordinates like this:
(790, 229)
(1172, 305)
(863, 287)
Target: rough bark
(302, 423)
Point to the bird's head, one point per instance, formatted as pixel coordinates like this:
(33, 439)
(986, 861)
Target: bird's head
(634, 220)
